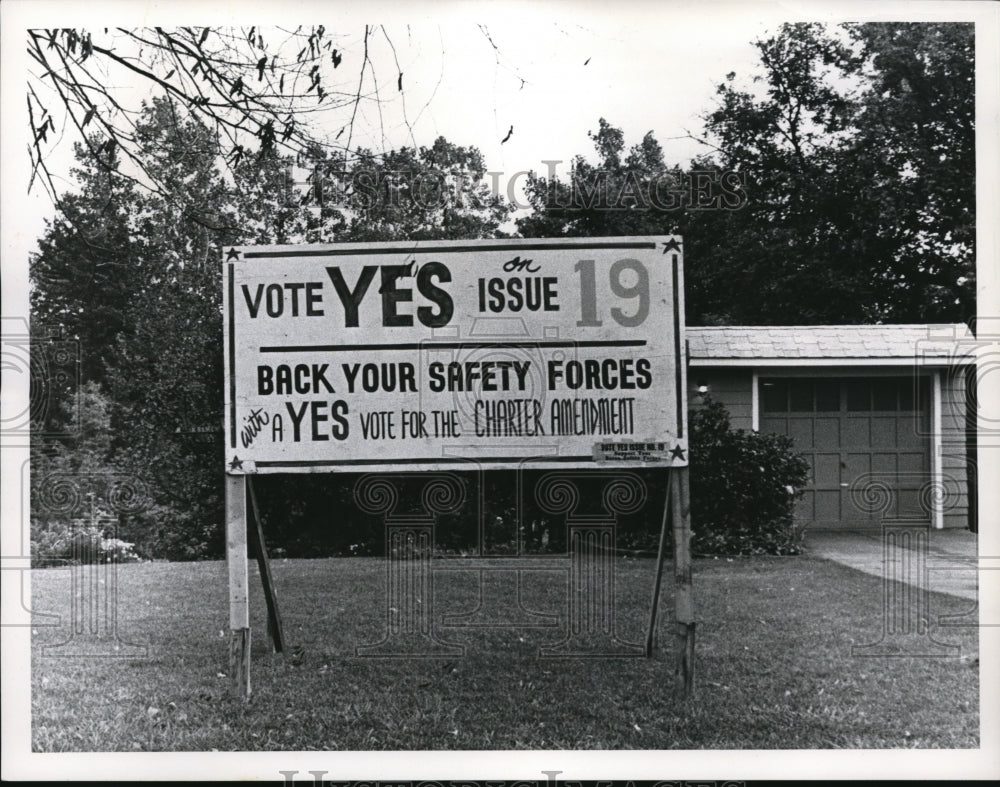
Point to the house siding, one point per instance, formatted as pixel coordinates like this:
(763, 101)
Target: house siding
(732, 387)
(954, 470)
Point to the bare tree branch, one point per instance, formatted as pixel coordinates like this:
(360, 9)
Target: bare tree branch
(256, 97)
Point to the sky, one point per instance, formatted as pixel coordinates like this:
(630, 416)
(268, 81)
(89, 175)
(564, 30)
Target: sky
(640, 72)
(641, 65)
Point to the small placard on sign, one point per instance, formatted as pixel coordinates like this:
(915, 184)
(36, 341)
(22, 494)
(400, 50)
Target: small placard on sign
(655, 452)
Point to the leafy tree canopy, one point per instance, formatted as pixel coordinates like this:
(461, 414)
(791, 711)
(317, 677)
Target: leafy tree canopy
(839, 188)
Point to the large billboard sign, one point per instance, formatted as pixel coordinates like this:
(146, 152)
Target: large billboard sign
(427, 355)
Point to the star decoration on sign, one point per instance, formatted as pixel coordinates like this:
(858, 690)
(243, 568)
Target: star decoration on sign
(677, 453)
(232, 254)
(237, 463)
(671, 245)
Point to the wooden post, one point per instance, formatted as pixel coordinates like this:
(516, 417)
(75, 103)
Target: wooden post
(239, 599)
(655, 604)
(274, 627)
(684, 595)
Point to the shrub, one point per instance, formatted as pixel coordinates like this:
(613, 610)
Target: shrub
(59, 542)
(743, 488)
(164, 532)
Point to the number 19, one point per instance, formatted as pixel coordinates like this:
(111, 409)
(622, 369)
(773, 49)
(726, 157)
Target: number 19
(588, 293)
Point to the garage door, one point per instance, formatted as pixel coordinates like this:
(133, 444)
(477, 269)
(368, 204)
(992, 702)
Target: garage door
(855, 432)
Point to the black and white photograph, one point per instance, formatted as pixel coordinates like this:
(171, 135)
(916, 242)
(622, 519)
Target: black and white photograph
(550, 392)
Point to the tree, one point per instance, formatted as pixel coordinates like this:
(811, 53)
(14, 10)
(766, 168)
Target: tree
(85, 274)
(623, 194)
(427, 193)
(255, 94)
(794, 246)
(847, 218)
(916, 146)
(840, 190)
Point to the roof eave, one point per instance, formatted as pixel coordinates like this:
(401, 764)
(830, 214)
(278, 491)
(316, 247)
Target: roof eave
(866, 361)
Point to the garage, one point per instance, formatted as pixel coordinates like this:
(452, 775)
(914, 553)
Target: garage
(879, 411)
(867, 442)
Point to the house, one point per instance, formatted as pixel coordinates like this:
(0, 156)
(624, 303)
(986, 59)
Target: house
(880, 412)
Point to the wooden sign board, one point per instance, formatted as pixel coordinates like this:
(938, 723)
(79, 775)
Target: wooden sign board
(429, 355)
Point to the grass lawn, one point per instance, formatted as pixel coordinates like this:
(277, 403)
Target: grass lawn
(773, 660)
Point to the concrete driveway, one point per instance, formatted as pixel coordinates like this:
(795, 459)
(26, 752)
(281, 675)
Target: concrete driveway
(950, 556)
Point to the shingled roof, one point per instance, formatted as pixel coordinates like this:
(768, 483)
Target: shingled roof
(894, 344)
